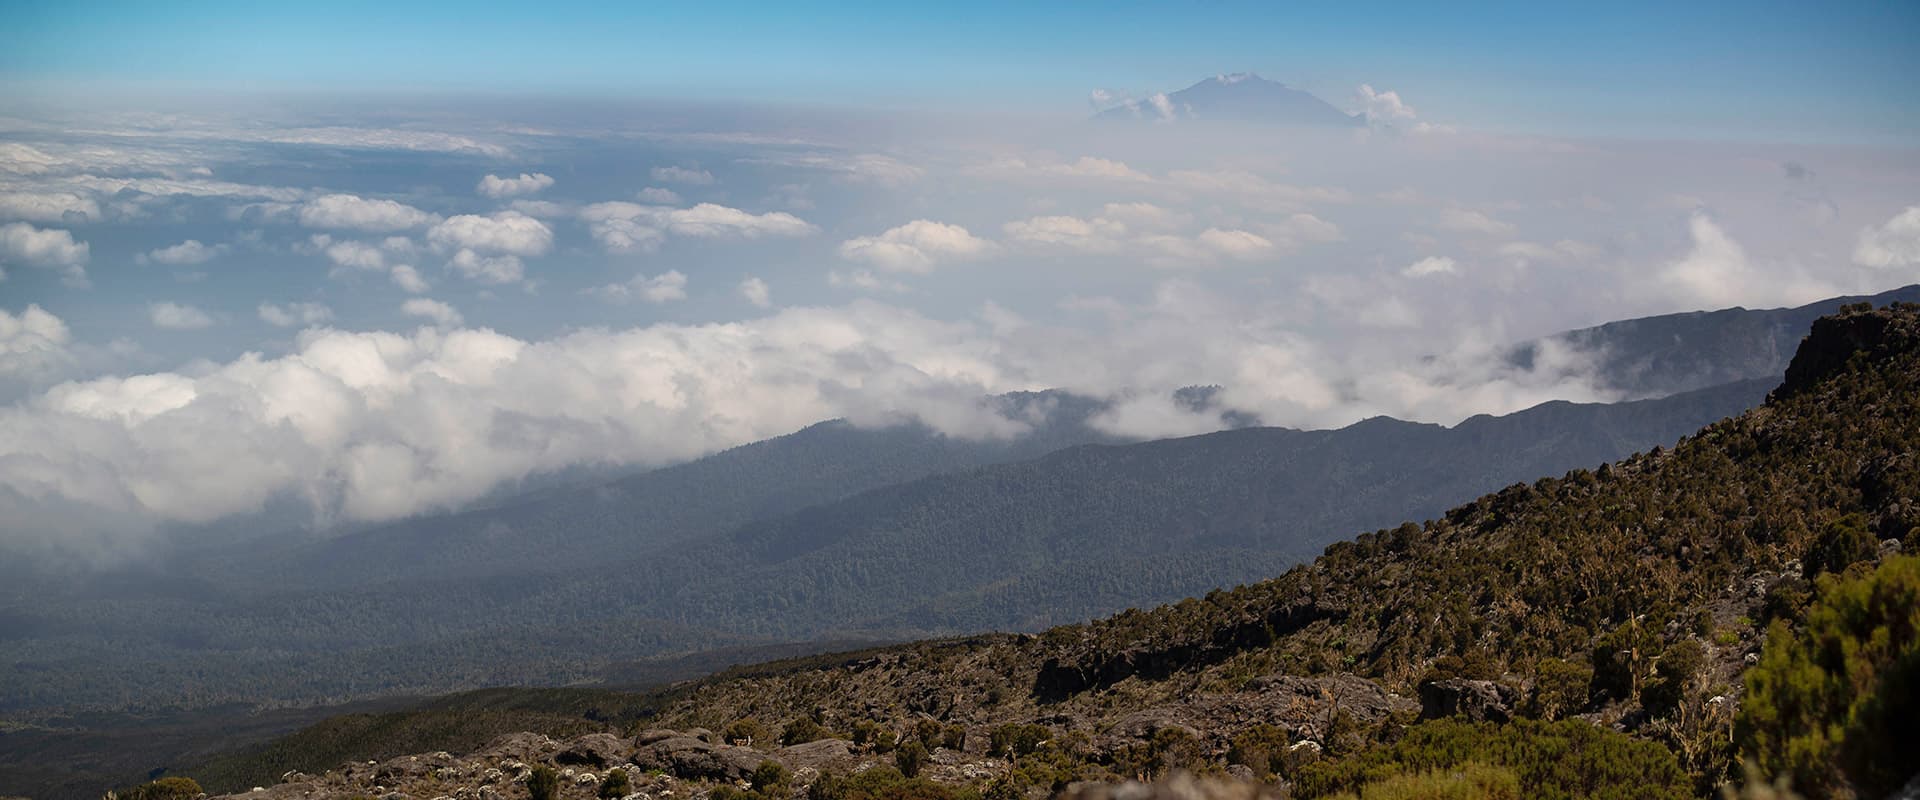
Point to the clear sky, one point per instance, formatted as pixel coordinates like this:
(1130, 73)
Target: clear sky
(1797, 71)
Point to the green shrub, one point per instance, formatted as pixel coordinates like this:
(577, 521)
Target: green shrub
(881, 783)
(1836, 706)
(769, 779)
(615, 784)
(1566, 760)
(172, 788)
(1559, 688)
(1465, 782)
(1674, 675)
(1844, 542)
(1261, 748)
(801, 731)
(911, 756)
(1013, 740)
(746, 729)
(543, 783)
(954, 737)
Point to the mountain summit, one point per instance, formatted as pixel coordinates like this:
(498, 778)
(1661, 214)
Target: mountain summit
(1238, 97)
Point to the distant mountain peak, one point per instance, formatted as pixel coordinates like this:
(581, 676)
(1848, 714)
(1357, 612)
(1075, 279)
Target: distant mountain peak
(1235, 97)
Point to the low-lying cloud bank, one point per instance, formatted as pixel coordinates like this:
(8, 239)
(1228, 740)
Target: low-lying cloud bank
(374, 425)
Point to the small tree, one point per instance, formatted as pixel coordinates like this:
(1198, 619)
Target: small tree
(910, 757)
(1559, 688)
(173, 788)
(745, 729)
(543, 783)
(801, 731)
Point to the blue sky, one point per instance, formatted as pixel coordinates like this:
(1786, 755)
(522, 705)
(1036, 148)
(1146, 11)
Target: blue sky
(1766, 70)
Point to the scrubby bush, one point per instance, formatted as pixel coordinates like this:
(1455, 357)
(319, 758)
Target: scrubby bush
(1014, 740)
(1836, 706)
(543, 783)
(615, 784)
(769, 779)
(1465, 782)
(911, 756)
(172, 788)
(1565, 760)
(746, 729)
(1559, 688)
(801, 731)
(1674, 676)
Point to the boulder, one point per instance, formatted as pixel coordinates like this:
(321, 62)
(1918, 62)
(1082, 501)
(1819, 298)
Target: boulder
(687, 757)
(596, 750)
(1480, 701)
(815, 754)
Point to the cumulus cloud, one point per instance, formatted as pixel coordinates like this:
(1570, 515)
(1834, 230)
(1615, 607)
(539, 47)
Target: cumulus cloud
(526, 183)
(33, 344)
(621, 226)
(504, 232)
(863, 280)
(346, 211)
(1430, 266)
(177, 317)
(683, 175)
(1385, 109)
(1893, 244)
(49, 248)
(292, 314)
(1716, 272)
(408, 279)
(493, 269)
(442, 314)
(189, 252)
(915, 247)
(755, 291)
(663, 288)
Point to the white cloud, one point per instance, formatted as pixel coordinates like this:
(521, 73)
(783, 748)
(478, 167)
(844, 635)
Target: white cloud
(50, 248)
(755, 291)
(1716, 273)
(291, 314)
(408, 279)
(860, 168)
(177, 317)
(191, 251)
(442, 314)
(915, 247)
(44, 206)
(508, 232)
(358, 213)
(33, 344)
(1383, 107)
(864, 280)
(488, 269)
(1894, 244)
(621, 226)
(489, 248)
(497, 187)
(1430, 266)
(1103, 236)
(1084, 168)
(658, 196)
(691, 177)
(1461, 220)
(662, 288)
(1097, 235)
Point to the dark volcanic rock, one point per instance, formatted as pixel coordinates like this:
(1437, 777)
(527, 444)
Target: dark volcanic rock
(1481, 701)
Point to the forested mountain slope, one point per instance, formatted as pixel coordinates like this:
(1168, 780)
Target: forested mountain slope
(1673, 611)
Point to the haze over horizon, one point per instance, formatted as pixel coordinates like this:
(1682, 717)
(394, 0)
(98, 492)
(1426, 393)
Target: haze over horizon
(376, 262)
